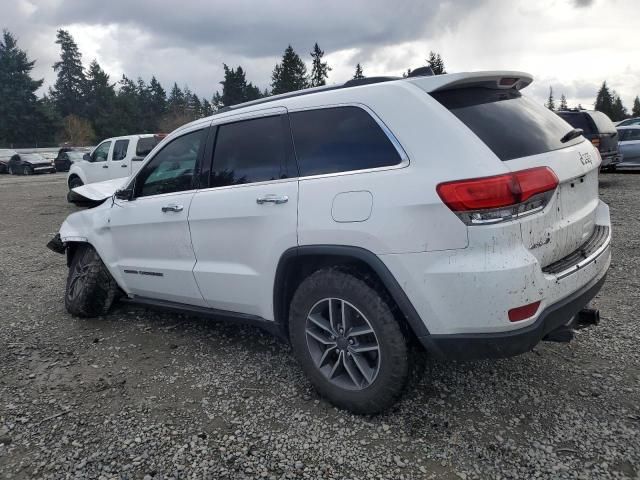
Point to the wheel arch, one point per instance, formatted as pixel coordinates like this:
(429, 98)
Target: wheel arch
(297, 263)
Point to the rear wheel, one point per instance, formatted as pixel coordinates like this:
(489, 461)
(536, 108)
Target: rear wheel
(27, 170)
(75, 182)
(90, 288)
(348, 342)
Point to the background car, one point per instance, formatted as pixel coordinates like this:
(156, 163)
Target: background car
(629, 141)
(29, 163)
(600, 130)
(5, 156)
(629, 121)
(66, 156)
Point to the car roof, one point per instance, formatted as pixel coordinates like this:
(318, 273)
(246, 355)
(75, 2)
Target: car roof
(377, 86)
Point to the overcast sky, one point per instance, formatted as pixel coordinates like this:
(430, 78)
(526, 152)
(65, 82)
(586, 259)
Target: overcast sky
(571, 45)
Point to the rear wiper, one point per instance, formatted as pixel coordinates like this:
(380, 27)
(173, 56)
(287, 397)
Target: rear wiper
(573, 133)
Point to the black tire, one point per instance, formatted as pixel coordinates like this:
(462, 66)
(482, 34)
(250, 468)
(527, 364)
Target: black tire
(75, 182)
(11, 170)
(27, 170)
(90, 288)
(394, 370)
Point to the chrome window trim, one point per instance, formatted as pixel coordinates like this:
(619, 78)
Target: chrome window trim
(404, 158)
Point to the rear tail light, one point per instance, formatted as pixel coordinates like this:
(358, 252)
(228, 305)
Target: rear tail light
(523, 312)
(596, 142)
(499, 198)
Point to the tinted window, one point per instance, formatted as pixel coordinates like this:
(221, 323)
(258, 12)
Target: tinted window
(146, 144)
(604, 124)
(340, 139)
(101, 152)
(250, 151)
(579, 120)
(172, 168)
(511, 125)
(120, 149)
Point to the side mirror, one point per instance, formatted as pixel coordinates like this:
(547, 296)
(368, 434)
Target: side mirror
(86, 157)
(124, 194)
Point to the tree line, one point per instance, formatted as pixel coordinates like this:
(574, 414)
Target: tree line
(607, 101)
(85, 105)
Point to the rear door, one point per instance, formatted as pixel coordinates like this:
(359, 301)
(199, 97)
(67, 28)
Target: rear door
(118, 162)
(524, 134)
(247, 217)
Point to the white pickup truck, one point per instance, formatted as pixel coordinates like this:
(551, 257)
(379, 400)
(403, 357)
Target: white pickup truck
(117, 157)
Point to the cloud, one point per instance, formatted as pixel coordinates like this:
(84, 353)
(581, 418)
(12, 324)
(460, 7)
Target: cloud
(572, 49)
(583, 3)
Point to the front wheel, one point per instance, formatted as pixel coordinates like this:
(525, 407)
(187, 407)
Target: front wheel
(75, 182)
(90, 288)
(348, 342)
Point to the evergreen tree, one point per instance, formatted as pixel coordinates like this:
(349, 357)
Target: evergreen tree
(290, 74)
(636, 107)
(175, 102)
(99, 96)
(319, 70)
(436, 63)
(235, 88)
(70, 83)
(128, 108)
(207, 109)
(158, 101)
(551, 103)
(359, 73)
(216, 102)
(604, 100)
(22, 116)
(618, 111)
(563, 102)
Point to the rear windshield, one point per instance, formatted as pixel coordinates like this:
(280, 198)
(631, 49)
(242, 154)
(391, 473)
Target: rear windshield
(511, 125)
(145, 145)
(604, 124)
(578, 120)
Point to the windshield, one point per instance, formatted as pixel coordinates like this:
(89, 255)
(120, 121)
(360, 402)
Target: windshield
(511, 125)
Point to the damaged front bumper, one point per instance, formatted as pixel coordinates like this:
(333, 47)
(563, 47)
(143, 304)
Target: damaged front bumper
(56, 244)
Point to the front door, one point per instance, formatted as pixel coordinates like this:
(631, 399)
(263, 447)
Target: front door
(151, 234)
(97, 170)
(247, 218)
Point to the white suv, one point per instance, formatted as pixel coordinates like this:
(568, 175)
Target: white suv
(357, 222)
(113, 158)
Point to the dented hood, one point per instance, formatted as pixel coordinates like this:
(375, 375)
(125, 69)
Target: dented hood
(100, 190)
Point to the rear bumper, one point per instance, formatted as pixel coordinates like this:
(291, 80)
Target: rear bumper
(511, 343)
(610, 160)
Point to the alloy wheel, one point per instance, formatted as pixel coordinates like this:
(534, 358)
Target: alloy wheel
(342, 344)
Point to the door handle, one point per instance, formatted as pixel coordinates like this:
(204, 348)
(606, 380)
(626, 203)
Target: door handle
(275, 199)
(105, 166)
(172, 208)
(123, 166)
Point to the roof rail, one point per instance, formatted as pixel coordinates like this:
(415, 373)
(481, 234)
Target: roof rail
(308, 91)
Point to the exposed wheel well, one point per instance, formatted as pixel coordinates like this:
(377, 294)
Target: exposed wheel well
(71, 177)
(298, 264)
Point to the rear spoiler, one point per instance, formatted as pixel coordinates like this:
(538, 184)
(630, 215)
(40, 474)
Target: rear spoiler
(494, 79)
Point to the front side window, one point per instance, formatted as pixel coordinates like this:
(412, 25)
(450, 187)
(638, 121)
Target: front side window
(340, 139)
(101, 152)
(632, 135)
(120, 149)
(172, 168)
(250, 151)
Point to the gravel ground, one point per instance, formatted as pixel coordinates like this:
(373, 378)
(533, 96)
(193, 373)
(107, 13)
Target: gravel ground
(141, 394)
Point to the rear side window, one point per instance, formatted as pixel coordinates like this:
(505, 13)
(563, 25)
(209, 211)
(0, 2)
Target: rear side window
(145, 145)
(604, 123)
(120, 149)
(579, 120)
(340, 139)
(250, 151)
(511, 125)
